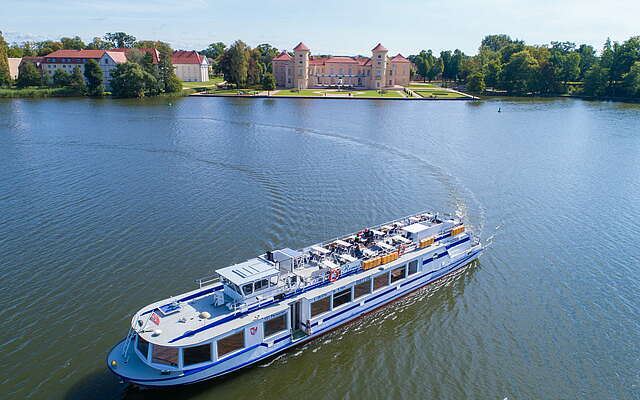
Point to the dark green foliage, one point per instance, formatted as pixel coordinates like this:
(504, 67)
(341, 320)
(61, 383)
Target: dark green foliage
(596, 81)
(167, 79)
(266, 54)
(475, 83)
(61, 78)
(214, 50)
(120, 39)
(28, 75)
(94, 77)
(99, 44)
(5, 76)
(130, 80)
(268, 82)
(76, 82)
(74, 43)
(632, 80)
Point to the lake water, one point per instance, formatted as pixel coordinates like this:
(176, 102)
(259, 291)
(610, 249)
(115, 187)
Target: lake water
(106, 206)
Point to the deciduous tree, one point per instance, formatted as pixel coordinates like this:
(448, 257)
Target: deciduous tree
(475, 83)
(76, 82)
(61, 78)
(94, 77)
(120, 39)
(268, 82)
(28, 75)
(5, 76)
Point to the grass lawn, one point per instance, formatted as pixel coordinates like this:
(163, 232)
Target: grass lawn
(374, 93)
(422, 85)
(303, 92)
(438, 94)
(210, 82)
(232, 91)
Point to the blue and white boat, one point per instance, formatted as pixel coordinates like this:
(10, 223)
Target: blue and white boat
(256, 309)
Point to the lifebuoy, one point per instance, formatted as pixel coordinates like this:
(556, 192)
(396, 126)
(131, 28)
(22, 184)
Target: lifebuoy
(401, 250)
(334, 274)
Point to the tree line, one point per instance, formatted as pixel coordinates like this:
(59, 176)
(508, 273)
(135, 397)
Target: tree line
(137, 77)
(511, 66)
(243, 66)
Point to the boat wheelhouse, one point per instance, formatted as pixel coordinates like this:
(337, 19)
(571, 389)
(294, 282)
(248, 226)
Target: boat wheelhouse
(253, 310)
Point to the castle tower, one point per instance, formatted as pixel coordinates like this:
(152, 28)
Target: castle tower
(378, 66)
(301, 66)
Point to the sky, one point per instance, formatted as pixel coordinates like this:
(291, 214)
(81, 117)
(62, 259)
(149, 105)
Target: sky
(342, 27)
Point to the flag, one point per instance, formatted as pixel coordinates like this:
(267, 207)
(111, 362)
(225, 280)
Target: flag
(155, 318)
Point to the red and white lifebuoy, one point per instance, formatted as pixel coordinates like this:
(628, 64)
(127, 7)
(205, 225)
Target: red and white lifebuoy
(334, 274)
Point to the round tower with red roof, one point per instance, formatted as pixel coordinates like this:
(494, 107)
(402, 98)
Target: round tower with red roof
(378, 66)
(301, 65)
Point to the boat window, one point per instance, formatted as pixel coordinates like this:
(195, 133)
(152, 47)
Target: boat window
(341, 297)
(398, 274)
(165, 355)
(380, 281)
(261, 284)
(143, 347)
(196, 354)
(320, 306)
(247, 289)
(362, 289)
(275, 325)
(413, 267)
(230, 343)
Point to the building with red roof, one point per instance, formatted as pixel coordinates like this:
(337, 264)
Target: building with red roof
(155, 54)
(302, 70)
(67, 60)
(190, 66)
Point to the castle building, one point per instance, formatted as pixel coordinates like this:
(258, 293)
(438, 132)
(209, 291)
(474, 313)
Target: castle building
(302, 70)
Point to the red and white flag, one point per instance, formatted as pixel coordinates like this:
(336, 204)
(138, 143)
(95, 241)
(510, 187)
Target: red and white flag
(155, 318)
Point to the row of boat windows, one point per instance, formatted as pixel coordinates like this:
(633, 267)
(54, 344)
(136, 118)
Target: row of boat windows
(345, 296)
(203, 353)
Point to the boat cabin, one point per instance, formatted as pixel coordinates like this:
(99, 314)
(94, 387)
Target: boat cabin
(249, 280)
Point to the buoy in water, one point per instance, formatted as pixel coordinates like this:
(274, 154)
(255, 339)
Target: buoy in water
(499, 109)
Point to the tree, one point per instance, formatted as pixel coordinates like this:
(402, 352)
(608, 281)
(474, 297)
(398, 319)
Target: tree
(445, 57)
(94, 77)
(266, 54)
(518, 73)
(134, 55)
(120, 39)
(99, 44)
(74, 43)
(475, 83)
(587, 59)
(495, 42)
(455, 63)
(214, 50)
(596, 81)
(47, 46)
(61, 78)
(424, 62)
(130, 80)
(162, 47)
(28, 75)
(5, 76)
(255, 68)
(167, 79)
(268, 82)
(632, 80)
(234, 63)
(436, 69)
(76, 82)
(494, 73)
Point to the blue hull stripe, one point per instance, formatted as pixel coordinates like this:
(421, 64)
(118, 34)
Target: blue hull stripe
(442, 273)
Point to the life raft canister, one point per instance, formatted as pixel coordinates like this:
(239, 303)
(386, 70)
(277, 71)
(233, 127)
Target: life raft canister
(334, 274)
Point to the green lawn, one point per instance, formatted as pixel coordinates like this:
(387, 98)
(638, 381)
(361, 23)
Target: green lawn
(422, 86)
(302, 92)
(374, 93)
(438, 94)
(232, 91)
(210, 82)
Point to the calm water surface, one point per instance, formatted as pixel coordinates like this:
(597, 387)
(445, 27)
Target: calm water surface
(106, 206)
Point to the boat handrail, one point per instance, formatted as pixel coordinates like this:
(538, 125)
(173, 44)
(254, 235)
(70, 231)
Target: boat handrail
(207, 280)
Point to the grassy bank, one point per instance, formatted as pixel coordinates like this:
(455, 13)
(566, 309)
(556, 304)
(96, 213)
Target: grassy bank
(35, 92)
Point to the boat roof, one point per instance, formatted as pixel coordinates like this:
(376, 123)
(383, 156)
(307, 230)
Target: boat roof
(248, 271)
(415, 228)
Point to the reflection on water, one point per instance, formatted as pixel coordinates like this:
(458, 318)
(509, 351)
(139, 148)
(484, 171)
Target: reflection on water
(107, 205)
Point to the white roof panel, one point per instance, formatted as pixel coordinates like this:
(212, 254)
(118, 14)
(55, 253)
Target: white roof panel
(248, 271)
(415, 228)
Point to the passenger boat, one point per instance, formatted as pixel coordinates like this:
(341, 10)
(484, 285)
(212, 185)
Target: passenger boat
(253, 310)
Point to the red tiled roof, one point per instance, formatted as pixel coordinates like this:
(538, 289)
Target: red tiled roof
(347, 60)
(76, 54)
(363, 60)
(400, 58)
(301, 47)
(186, 57)
(119, 58)
(284, 56)
(379, 47)
(155, 54)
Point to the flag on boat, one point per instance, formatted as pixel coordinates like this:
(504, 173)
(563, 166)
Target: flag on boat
(155, 318)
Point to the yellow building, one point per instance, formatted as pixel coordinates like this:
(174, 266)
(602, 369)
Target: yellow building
(302, 70)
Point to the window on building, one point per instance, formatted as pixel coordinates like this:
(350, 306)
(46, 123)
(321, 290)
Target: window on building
(261, 284)
(320, 306)
(380, 281)
(413, 267)
(230, 344)
(341, 297)
(165, 355)
(362, 289)
(143, 347)
(247, 289)
(379, 56)
(196, 354)
(398, 273)
(275, 325)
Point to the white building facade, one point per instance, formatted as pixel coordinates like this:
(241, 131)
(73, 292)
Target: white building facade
(190, 66)
(67, 60)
